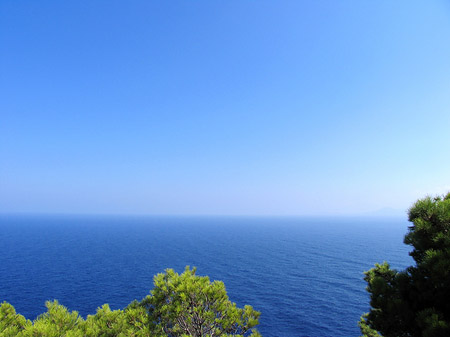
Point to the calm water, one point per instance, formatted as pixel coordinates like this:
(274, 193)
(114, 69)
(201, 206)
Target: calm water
(304, 275)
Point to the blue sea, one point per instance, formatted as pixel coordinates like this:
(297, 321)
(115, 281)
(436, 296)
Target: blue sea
(305, 275)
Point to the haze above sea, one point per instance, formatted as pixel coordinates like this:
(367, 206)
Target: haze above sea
(305, 275)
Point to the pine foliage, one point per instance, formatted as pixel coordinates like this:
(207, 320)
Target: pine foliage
(179, 306)
(415, 302)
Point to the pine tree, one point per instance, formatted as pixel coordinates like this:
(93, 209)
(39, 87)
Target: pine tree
(415, 302)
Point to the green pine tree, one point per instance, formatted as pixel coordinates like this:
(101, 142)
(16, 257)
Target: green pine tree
(415, 302)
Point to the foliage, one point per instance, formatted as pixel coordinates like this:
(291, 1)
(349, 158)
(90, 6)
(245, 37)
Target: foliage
(11, 324)
(133, 321)
(179, 305)
(415, 302)
(190, 305)
(57, 321)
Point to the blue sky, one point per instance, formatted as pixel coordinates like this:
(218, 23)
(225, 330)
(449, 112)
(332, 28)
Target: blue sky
(223, 107)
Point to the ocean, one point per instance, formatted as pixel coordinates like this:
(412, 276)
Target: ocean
(305, 275)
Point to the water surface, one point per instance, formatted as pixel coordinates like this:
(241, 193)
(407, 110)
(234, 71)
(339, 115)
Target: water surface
(304, 274)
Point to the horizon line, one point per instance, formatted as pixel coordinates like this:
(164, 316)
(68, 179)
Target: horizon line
(372, 214)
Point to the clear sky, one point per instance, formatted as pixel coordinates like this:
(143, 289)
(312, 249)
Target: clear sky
(223, 107)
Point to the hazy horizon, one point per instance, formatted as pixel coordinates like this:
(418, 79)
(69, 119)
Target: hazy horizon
(384, 212)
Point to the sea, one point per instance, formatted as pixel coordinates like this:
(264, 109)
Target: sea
(304, 274)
